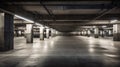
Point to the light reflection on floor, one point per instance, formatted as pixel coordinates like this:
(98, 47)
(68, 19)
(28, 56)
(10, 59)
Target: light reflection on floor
(63, 51)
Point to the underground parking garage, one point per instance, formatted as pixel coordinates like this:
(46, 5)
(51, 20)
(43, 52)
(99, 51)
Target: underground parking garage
(54, 33)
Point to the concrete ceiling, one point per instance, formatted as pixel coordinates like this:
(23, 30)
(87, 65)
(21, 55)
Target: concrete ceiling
(55, 13)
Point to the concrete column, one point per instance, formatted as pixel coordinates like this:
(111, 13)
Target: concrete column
(47, 33)
(19, 32)
(52, 33)
(96, 32)
(102, 33)
(82, 33)
(6, 32)
(29, 33)
(41, 33)
(110, 32)
(88, 33)
(56, 33)
(116, 32)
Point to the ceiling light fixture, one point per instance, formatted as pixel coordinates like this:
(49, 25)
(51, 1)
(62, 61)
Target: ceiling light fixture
(38, 24)
(104, 26)
(24, 18)
(113, 21)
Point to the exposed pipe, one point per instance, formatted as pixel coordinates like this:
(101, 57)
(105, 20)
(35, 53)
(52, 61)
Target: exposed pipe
(107, 11)
(48, 11)
(104, 13)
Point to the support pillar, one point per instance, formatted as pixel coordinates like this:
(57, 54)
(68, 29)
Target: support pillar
(82, 32)
(102, 33)
(85, 32)
(20, 32)
(116, 32)
(110, 32)
(47, 33)
(29, 33)
(88, 33)
(52, 33)
(96, 32)
(41, 33)
(56, 33)
(6, 32)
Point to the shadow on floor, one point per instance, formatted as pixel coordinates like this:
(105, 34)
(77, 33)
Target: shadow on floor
(72, 62)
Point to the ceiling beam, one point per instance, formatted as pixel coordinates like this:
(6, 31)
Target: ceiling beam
(80, 17)
(16, 10)
(48, 11)
(48, 0)
(69, 5)
(77, 23)
(113, 5)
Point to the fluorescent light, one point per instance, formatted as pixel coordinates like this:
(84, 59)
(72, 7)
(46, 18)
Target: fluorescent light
(24, 18)
(65, 20)
(113, 21)
(104, 26)
(38, 24)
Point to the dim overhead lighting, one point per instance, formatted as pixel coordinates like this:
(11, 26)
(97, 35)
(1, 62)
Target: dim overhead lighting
(104, 26)
(23, 18)
(38, 24)
(113, 21)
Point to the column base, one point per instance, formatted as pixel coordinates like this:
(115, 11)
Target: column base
(88, 35)
(41, 39)
(116, 37)
(96, 36)
(41, 36)
(29, 38)
(47, 37)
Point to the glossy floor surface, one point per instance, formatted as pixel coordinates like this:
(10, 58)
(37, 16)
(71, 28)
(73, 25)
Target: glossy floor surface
(63, 51)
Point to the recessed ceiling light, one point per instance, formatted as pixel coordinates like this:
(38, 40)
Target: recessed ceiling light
(24, 18)
(113, 21)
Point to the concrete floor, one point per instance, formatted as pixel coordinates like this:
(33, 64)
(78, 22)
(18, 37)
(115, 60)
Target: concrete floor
(63, 51)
